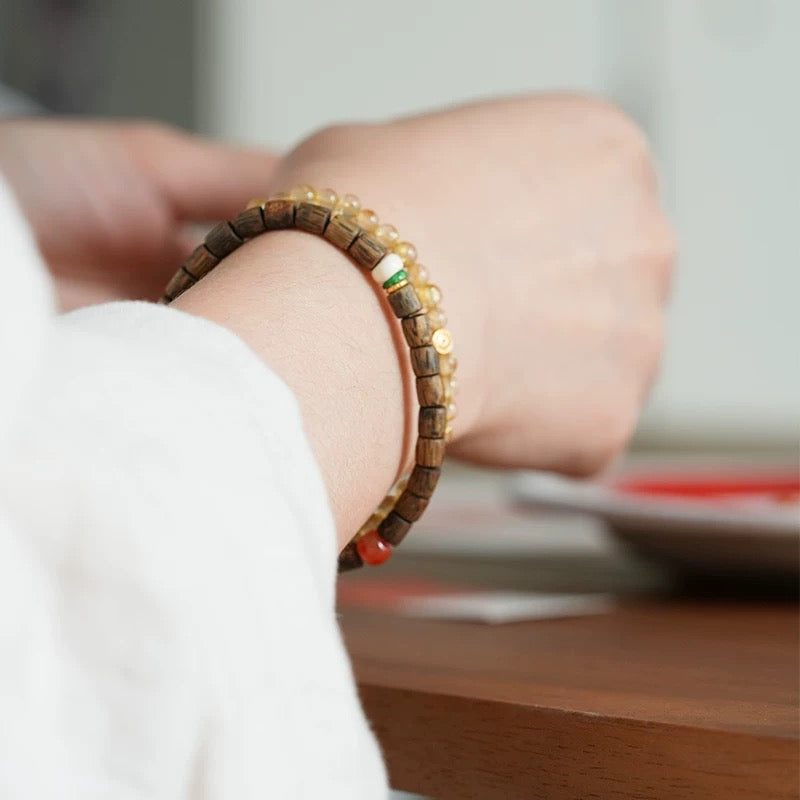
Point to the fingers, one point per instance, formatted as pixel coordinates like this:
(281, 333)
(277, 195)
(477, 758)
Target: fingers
(200, 179)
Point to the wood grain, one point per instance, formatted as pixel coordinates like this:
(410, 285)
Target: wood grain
(658, 700)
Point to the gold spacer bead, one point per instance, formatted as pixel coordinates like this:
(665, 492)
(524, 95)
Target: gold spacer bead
(396, 287)
(442, 341)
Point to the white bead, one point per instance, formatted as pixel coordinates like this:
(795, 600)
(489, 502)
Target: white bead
(388, 266)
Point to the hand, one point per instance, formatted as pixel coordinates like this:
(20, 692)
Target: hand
(110, 202)
(539, 219)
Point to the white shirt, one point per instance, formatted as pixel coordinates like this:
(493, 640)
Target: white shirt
(167, 563)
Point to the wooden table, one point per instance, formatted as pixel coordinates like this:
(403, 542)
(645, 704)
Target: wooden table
(664, 697)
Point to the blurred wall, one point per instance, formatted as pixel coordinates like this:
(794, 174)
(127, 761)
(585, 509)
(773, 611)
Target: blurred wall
(713, 82)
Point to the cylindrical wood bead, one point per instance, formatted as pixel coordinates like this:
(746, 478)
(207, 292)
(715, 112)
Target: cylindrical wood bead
(394, 528)
(248, 223)
(349, 558)
(405, 302)
(432, 421)
(278, 214)
(312, 217)
(200, 262)
(342, 231)
(423, 480)
(430, 391)
(430, 452)
(367, 251)
(180, 282)
(411, 506)
(221, 240)
(417, 330)
(424, 361)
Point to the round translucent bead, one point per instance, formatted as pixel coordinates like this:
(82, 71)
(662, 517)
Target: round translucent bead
(406, 251)
(429, 295)
(386, 234)
(452, 411)
(349, 205)
(447, 364)
(368, 219)
(327, 197)
(302, 192)
(436, 318)
(450, 389)
(418, 273)
(372, 549)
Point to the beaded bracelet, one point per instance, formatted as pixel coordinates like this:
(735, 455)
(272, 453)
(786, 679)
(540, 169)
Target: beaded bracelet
(375, 247)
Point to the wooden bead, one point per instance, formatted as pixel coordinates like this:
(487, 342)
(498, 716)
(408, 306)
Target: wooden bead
(423, 480)
(221, 241)
(430, 452)
(424, 361)
(278, 214)
(342, 231)
(430, 391)
(405, 302)
(349, 558)
(394, 528)
(180, 282)
(411, 506)
(312, 217)
(200, 262)
(432, 421)
(367, 251)
(248, 223)
(417, 330)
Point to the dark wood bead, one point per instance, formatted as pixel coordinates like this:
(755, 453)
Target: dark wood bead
(423, 480)
(405, 302)
(367, 251)
(394, 528)
(417, 330)
(180, 282)
(424, 361)
(349, 558)
(430, 391)
(342, 231)
(312, 217)
(278, 214)
(411, 506)
(200, 262)
(430, 452)
(248, 223)
(221, 241)
(432, 421)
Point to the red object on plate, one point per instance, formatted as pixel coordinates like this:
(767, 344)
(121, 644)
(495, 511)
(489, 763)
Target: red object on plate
(782, 487)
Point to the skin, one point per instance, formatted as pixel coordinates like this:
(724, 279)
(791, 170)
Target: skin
(538, 217)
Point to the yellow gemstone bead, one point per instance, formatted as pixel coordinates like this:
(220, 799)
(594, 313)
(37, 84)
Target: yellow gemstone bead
(452, 411)
(349, 204)
(327, 197)
(450, 389)
(448, 433)
(406, 251)
(386, 234)
(430, 295)
(418, 273)
(437, 318)
(448, 365)
(368, 219)
(303, 192)
(256, 202)
(281, 196)
(442, 341)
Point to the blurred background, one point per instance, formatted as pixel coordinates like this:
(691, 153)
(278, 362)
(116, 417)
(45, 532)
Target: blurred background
(713, 83)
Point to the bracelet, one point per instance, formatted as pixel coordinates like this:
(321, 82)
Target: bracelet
(377, 248)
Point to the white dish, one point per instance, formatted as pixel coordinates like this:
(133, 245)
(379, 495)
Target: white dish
(710, 537)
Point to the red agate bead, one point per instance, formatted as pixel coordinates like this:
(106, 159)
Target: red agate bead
(373, 549)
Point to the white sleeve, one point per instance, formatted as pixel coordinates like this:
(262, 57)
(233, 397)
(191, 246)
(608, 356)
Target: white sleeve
(167, 564)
